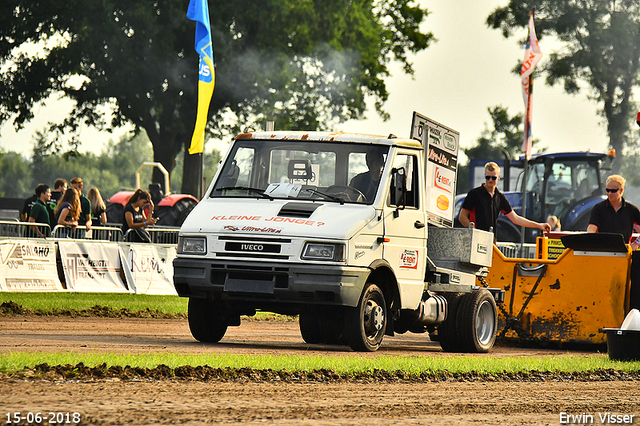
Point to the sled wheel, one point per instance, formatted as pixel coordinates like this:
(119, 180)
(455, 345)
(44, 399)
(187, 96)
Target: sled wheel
(365, 324)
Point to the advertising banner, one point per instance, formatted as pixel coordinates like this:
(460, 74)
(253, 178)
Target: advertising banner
(441, 144)
(92, 266)
(148, 268)
(28, 265)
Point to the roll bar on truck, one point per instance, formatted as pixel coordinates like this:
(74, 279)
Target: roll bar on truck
(281, 229)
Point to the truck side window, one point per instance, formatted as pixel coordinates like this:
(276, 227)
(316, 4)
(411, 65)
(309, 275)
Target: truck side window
(409, 163)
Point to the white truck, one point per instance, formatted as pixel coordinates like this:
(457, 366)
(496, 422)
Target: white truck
(281, 229)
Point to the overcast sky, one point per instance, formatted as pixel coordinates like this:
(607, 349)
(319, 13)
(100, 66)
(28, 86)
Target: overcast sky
(456, 80)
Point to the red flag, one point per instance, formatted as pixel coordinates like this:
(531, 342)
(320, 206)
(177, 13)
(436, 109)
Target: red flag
(532, 56)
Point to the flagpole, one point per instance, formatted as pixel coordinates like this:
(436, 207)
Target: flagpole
(527, 132)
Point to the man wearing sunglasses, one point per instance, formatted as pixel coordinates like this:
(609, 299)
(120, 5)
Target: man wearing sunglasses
(615, 214)
(618, 216)
(483, 205)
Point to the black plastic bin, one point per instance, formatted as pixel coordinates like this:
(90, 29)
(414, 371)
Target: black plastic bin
(623, 345)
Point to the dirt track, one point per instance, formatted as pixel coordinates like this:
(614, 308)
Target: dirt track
(149, 402)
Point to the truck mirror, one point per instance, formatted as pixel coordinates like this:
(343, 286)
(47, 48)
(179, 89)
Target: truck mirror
(398, 189)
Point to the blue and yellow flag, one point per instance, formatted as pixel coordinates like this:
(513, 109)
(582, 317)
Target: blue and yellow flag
(199, 11)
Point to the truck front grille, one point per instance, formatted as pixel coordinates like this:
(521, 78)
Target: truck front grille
(254, 248)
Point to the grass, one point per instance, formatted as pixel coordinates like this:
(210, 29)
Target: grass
(44, 302)
(12, 362)
(52, 302)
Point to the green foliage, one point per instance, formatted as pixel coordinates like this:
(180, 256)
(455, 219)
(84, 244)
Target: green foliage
(304, 64)
(601, 50)
(111, 171)
(506, 135)
(15, 179)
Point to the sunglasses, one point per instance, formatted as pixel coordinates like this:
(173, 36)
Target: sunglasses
(491, 177)
(613, 191)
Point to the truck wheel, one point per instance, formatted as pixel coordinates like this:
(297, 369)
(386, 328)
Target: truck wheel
(365, 324)
(207, 322)
(310, 328)
(332, 327)
(448, 330)
(478, 321)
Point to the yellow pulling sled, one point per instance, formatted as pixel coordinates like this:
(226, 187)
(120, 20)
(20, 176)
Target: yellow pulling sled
(568, 299)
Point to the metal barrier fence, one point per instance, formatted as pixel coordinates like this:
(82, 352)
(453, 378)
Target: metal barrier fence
(517, 251)
(97, 233)
(164, 235)
(13, 229)
(109, 232)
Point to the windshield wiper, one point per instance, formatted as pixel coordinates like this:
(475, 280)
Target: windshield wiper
(331, 197)
(246, 188)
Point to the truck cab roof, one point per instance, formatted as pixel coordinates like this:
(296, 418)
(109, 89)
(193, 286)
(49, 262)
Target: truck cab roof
(304, 136)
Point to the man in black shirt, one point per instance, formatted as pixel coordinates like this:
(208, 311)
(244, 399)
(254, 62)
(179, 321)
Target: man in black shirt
(483, 205)
(618, 216)
(615, 214)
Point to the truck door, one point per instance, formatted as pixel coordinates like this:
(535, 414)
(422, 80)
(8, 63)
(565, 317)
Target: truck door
(405, 231)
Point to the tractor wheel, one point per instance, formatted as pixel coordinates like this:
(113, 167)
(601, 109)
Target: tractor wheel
(365, 324)
(448, 330)
(478, 321)
(208, 323)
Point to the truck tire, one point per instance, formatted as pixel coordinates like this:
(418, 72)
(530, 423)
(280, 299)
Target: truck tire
(365, 324)
(310, 328)
(332, 327)
(207, 322)
(448, 330)
(477, 321)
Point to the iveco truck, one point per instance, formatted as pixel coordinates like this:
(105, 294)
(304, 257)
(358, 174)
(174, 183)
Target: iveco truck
(284, 228)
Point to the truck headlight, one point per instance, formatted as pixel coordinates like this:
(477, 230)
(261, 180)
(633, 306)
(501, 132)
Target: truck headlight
(323, 251)
(192, 245)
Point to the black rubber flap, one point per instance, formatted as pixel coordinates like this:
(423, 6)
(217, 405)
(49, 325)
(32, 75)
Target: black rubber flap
(601, 241)
(302, 210)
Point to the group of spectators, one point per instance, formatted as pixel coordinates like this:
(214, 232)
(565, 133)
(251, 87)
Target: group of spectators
(65, 205)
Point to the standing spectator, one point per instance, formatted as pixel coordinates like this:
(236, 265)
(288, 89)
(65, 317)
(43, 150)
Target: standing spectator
(68, 211)
(136, 218)
(27, 206)
(59, 187)
(40, 212)
(85, 204)
(98, 208)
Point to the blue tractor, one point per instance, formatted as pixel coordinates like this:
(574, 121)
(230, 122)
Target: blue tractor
(566, 184)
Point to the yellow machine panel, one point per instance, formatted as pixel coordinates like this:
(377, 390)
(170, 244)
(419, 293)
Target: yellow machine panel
(566, 300)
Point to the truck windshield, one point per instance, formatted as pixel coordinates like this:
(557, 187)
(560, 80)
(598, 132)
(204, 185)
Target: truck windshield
(328, 171)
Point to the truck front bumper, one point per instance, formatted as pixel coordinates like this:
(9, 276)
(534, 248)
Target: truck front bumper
(262, 284)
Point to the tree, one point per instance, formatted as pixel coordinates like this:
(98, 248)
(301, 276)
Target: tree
(505, 136)
(601, 49)
(302, 63)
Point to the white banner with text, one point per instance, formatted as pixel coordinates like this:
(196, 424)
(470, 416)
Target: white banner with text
(148, 268)
(92, 266)
(28, 265)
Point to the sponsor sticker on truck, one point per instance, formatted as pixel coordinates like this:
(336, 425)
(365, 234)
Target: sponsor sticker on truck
(409, 259)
